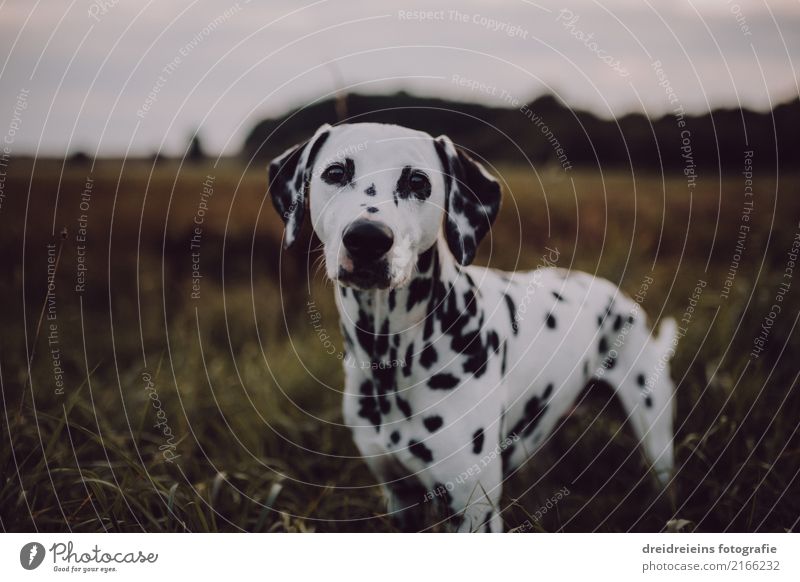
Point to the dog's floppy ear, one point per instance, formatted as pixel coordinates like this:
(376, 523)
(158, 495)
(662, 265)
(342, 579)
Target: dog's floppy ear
(472, 200)
(289, 177)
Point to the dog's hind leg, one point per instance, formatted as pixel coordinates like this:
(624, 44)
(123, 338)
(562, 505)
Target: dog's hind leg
(639, 373)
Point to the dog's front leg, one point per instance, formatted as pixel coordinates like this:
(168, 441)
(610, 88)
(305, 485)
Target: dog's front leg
(467, 485)
(362, 413)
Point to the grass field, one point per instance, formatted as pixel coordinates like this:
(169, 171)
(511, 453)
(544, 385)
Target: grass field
(147, 409)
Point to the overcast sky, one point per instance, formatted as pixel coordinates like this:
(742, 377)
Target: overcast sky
(110, 76)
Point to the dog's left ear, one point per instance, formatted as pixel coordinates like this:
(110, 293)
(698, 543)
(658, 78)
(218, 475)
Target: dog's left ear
(472, 200)
(289, 178)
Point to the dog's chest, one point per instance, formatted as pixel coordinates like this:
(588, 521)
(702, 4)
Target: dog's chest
(414, 357)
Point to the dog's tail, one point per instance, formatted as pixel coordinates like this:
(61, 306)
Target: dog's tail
(667, 336)
(659, 439)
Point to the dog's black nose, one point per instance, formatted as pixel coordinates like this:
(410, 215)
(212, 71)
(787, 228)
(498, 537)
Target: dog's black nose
(367, 240)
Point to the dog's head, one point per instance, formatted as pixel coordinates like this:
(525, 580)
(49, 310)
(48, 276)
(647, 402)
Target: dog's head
(379, 195)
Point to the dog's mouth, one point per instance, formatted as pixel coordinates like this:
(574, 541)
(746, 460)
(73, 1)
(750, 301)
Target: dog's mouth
(364, 276)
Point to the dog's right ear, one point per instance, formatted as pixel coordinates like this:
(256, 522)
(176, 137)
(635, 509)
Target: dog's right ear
(472, 199)
(289, 178)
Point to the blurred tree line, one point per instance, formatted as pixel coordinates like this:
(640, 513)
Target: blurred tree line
(717, 140)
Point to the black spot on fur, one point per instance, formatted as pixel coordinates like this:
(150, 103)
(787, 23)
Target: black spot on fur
(470, 303)
(372, 209)
(648, 401)
(477, 441)
(433, 423)
(617, 322)
(548, 391)
(443, 382)
(602, 347)
(429, 321)
(551, 321)
(364, 327)
(477, 362)
(470, 282)
(403, 405)
(558, 296)
(534, 411)
(384, 383)
(368, 404)
(384, 403)
(395, 437)
(503, 360)
(370, 191)
(428, 356)
(418, 291)
(420, 451)
(408, 359)
(382, 341)
(640, 380)
(425, 259)
(512, 310)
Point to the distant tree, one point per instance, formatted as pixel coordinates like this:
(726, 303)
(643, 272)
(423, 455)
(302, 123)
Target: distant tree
(195, 151)
(80, 157)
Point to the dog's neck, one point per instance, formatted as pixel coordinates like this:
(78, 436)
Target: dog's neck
(371, 320)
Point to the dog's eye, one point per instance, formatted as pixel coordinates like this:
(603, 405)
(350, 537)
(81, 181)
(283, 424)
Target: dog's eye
(335, 174)
(420, 184)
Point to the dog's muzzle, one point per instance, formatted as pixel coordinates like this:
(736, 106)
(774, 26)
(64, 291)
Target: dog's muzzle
(367, 242)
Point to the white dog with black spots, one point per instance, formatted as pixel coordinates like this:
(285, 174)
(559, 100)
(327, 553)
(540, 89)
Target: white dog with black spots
(460, 388)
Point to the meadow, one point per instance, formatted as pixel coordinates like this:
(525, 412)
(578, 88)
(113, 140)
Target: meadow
(164, 374)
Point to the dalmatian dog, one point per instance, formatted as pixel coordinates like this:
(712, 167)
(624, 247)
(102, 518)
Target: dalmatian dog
(468, 368)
